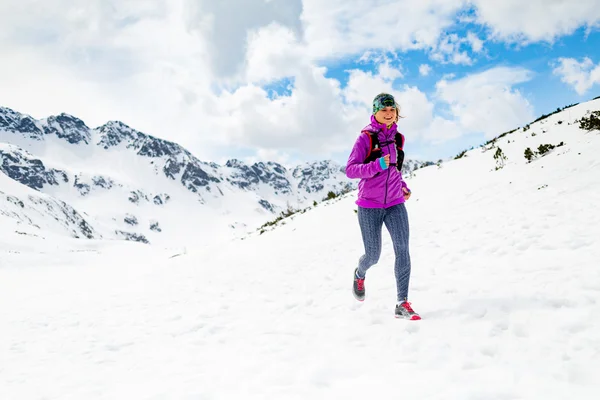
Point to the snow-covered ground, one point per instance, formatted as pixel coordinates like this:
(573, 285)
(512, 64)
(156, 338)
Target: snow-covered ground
(505, 277)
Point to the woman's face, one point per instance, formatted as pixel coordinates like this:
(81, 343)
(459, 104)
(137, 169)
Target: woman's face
(386, 115)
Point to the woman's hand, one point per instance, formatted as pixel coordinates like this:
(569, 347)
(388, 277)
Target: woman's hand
(384, 161)
(407, 193)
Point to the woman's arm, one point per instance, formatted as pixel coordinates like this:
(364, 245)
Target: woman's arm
(355, 167)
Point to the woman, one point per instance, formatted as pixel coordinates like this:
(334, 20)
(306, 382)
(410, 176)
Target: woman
(376, 159)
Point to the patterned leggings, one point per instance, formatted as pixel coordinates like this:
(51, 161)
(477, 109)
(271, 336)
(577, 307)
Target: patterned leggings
(395, 218)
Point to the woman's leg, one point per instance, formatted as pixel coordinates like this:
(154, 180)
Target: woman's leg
(396, 221)
(371, 223)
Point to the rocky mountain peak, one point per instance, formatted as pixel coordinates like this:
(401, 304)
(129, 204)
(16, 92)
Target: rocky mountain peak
(314, 175)
(113, 133)
(15, 122)
(234, 163)
(269, 173)
(68, 127)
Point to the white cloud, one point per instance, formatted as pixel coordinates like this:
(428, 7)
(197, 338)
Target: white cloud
(416, 110)
(536, 20)
(487, 102)
(232, 21)
(378, 57)
(273, 53)
(363, 86)
(582, 75)
(475, 42)
(442, 130)
(336, 28)
(311, 119)
(448, 50)
(424, 69)
(451, 48)
(389, 73)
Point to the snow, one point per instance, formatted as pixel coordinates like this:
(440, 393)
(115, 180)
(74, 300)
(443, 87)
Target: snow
(505, 276)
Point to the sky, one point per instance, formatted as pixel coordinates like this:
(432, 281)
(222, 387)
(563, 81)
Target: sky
(293, 80)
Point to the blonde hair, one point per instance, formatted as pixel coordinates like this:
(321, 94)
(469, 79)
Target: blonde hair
(398, 116)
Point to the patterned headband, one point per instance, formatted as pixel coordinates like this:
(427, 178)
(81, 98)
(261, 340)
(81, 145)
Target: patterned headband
(382, 101)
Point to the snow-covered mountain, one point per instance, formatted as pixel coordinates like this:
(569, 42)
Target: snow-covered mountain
(135, 186)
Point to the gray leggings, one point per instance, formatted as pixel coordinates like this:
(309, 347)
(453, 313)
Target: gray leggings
(395, 218)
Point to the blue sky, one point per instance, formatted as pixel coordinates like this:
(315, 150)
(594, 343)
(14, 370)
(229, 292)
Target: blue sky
(292, 81)
(545, 91)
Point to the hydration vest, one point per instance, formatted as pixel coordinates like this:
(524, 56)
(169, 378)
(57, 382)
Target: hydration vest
(375, 148)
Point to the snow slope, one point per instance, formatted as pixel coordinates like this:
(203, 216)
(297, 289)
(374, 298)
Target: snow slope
(505, 276)
(25, 211)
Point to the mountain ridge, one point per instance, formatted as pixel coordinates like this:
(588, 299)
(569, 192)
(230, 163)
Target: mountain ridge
(63, 157)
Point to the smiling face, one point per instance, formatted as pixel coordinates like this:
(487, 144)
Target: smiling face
(386, 115)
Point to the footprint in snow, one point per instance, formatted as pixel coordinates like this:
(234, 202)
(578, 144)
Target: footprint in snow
(117, 347)
(470, 364)
(499, 328)
(488, 350)
(519, 330)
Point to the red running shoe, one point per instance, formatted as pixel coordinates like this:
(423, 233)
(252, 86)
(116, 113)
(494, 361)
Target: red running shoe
(405, 311)
(359, 287)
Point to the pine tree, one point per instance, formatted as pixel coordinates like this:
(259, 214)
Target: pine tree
(590, 123)
(500, 158)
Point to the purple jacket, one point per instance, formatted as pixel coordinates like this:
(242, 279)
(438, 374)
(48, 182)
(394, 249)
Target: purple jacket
(378, 188)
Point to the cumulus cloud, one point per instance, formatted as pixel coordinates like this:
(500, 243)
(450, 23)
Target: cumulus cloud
(337, 28)
(233, 21)
(273, 53)
(535, 20)
(424, 69)
(454, 49)
(310, 119)
(475, 42)
(582, 75)
(487, 102)
(441, 130)
(448, 50)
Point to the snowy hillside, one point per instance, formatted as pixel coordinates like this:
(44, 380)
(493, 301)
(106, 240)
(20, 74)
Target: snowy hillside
(27, 212)
(142, 188)
(505, 276)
